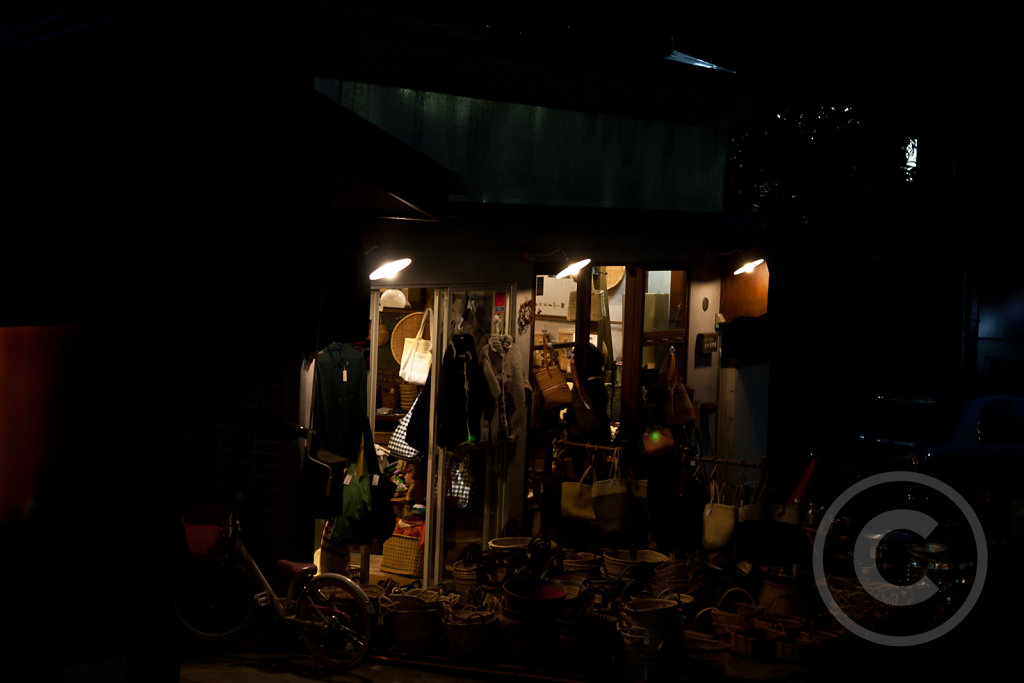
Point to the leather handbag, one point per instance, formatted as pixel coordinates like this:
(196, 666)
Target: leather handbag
(551, 384)
(679, 407)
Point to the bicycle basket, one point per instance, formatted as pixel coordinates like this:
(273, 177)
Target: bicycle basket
(205, 526)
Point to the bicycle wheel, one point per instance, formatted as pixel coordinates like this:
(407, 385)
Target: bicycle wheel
(338, 635)
(214, 600)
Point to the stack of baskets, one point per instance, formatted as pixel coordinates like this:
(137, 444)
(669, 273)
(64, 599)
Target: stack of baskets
(472, 630)
(689, 575)
(467, 570)
(580, 562)
(415, 616)
(407, 395)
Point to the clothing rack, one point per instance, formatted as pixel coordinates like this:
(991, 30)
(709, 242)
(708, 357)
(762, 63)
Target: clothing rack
(579, 444)
(727, 462)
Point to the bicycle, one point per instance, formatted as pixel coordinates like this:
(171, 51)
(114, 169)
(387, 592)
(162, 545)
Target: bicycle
(218, 595)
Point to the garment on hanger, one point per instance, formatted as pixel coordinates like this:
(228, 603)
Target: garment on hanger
(341, 403)
(462, 388)
(507, 384)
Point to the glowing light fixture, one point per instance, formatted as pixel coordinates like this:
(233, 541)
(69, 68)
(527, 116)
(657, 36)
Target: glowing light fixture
(748, 266)
(573, 269)
(390, 269)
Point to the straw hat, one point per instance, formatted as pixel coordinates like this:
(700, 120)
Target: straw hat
(407, 327)
(613, 276)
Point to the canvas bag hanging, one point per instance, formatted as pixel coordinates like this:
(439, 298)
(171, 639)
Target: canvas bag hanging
(577, 501)
(620, 501)
(417, 355)
(719, 519)
(752, 511)
(551, 385)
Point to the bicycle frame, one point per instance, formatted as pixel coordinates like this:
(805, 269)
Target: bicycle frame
(286, 607)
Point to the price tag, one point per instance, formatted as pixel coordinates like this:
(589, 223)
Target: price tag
(376, 479)
(348, 479)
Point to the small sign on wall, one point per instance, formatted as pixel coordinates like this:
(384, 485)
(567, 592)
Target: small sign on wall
(707, 342)
(553, 295)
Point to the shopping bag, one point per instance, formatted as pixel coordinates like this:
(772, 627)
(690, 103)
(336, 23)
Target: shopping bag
(417, 355)
(719, 520)
(577, 502)
(620, 501)
(398, 444)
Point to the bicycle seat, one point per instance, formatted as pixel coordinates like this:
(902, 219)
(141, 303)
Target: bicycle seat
(296, 569)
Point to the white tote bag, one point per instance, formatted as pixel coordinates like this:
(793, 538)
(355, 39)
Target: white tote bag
(417, 355)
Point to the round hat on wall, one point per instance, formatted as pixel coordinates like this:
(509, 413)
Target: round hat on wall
(407, 327)
(613, 276)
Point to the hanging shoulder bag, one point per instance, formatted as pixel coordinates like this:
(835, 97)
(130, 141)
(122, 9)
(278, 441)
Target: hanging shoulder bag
(577, 502)
(551, 384)
(398, 444)
(679, 408)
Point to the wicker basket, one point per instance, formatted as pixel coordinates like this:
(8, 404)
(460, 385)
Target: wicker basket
(402, 555)
(616, 561)
(416, 621)
(743, 614)
(581, 562)
(472, 632)
(389, 395)
(407, 395)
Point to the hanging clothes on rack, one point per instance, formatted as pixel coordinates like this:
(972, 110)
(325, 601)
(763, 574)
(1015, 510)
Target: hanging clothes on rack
(507, 384)
(341, 400)
(462, 386)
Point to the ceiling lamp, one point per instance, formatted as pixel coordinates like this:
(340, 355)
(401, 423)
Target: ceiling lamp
(573, 269)
(748, 267)
(390, 269)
